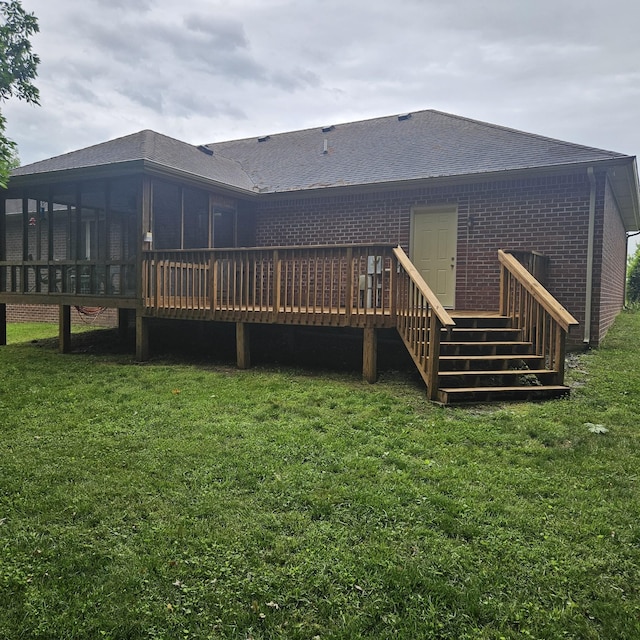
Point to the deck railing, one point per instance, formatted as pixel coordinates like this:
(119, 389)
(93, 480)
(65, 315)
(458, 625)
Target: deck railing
(68, 277)
(373, 286)
(320, 285)
(536, 263)
(420, 319)
(543, 320)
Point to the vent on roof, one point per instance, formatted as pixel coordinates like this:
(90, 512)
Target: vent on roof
(327, 129)
(404, 116)
(263, 138)
(205, 149)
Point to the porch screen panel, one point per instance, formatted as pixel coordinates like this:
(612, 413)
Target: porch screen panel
(39, 249)
(224, 227)
(91, 272)
(63, 200)
(167, 215)
(122, 209)
(196, 219)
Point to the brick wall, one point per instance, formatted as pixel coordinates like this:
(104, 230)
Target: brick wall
(49, 313)
(546, 214)
(609, 265)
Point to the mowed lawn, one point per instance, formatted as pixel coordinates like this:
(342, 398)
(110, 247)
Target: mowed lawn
(183, 499)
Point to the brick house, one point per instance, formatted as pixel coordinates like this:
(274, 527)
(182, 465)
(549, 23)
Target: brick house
(448, 191)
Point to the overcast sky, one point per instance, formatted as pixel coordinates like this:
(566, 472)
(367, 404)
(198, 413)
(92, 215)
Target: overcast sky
(209, 70)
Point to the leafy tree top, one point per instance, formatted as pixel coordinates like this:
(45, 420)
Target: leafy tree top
(18, 63)
(18, 69)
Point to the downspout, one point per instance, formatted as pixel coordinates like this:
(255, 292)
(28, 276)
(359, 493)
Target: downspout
(590, 246)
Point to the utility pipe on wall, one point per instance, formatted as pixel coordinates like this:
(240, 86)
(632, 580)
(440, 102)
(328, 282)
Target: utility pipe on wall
(590, 244)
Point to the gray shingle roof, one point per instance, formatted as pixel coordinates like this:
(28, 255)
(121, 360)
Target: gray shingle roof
(428, 144)
(150, 147)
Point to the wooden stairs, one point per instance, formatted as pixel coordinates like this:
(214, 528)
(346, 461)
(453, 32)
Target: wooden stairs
(483, 359)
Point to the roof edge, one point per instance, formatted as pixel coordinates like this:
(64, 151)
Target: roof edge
(121, 169)
(465, 178)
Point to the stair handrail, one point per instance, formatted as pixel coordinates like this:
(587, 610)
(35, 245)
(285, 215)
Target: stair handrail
(432, 299)
(535, 288)
(420, 318)
(544, 322)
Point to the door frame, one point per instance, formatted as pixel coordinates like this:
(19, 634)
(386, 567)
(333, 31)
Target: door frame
(451, 209)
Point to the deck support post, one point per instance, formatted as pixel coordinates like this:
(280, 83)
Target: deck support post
(142, 337)
(3, 324)
(433, 363)
(370, 355)
(560, 355)
(243, 345)
(64, 328)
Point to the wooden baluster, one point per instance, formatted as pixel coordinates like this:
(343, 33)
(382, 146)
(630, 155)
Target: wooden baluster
(349, 302)
(277, 285)
(213, 277)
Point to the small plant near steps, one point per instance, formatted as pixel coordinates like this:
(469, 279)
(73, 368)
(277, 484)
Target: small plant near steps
(484, 359)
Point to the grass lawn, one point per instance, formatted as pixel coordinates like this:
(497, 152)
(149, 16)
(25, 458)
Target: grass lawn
(192, 500)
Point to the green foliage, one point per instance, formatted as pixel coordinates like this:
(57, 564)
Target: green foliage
(176, 500)
(18, 69)
(633, 278)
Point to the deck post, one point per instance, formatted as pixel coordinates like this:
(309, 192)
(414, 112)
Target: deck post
(560, 354)
(142, 337)
(64, 328)
(243, 345)
(433, 364)
(370, 355)
(3, 324)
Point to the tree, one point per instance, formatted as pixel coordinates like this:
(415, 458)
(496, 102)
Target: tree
(633, 277)
(18, 69)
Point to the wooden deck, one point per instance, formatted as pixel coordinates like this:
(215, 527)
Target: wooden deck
(369, 287)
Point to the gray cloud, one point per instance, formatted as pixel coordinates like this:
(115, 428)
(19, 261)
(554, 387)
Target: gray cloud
(219, 33)
(216, 69)
(127, 5)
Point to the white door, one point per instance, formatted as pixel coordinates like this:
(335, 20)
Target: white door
(434, 237)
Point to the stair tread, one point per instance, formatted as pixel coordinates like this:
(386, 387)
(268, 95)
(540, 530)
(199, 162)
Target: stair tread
(481, 329)
(518, 389)
(497, 372)
(475, 315)
(483, 343)
(504, 356)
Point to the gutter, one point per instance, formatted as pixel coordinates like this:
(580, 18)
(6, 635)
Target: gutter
(590, 245)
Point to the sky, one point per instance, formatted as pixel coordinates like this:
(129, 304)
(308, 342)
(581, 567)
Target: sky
(210, 70)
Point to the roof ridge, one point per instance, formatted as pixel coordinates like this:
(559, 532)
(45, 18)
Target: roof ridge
(453, 116)
(528, 134)
(318, 127)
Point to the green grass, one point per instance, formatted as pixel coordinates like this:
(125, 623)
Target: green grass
(178, 500)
